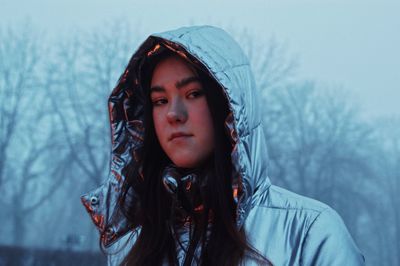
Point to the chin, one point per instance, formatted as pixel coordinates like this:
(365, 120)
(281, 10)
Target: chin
(186, 162)
(189, 158)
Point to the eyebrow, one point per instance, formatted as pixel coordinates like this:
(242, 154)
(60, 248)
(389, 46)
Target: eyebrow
(179, 84)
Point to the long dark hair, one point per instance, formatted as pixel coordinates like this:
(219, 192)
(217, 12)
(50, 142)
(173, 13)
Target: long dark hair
(222, 243)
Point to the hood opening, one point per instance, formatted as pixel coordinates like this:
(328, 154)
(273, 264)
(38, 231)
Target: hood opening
(141, 66)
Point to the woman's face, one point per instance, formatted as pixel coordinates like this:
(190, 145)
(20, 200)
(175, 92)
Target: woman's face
(181, 116)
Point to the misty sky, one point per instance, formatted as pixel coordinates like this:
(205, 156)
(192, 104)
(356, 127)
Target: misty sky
(353, 44)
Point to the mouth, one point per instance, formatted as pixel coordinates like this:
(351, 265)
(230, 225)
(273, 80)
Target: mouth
(179, 135)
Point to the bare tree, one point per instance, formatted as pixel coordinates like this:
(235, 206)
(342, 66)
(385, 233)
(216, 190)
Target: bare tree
(272, 65)
(19, 60)
(26, 129)
(85, 68)
(387, 158)
(318, 146)
(313, 128)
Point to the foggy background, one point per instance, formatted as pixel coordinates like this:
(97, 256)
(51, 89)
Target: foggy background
(328, 72)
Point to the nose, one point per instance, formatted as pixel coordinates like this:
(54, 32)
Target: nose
(177, 112)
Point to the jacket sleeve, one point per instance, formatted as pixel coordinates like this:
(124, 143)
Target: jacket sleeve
(328, 242)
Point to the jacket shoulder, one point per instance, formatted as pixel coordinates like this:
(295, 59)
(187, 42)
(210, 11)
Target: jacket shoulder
(280, 198)
(315, 231)
(328, 242)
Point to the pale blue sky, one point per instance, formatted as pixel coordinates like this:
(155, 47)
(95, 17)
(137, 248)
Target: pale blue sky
(354, 44)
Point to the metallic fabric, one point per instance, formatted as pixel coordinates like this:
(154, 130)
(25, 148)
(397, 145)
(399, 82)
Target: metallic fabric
(285, 227)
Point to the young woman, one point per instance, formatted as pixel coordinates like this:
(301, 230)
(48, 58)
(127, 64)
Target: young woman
(188, 183)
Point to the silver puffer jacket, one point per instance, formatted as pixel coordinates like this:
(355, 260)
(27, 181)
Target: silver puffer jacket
(285, 227)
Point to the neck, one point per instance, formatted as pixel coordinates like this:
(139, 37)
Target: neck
(186, 186)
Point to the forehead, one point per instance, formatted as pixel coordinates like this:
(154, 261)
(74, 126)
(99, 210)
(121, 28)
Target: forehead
(172, 67)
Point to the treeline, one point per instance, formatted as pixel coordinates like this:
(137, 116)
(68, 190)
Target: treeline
(54, 138)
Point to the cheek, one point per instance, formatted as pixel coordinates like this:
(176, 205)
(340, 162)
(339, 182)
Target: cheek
(158, 125)
(205, 124)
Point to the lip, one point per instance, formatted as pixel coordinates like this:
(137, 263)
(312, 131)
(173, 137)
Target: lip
(179, 134)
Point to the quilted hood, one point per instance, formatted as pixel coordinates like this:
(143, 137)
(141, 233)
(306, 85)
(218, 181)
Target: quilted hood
(218, 53)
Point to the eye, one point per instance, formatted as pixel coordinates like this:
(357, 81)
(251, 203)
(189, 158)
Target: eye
(158, 102)
(195, 94)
